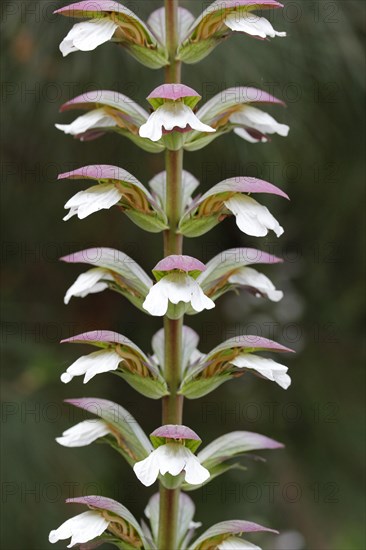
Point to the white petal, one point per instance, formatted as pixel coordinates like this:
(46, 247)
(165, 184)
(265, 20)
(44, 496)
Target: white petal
(235, 543)
(259, 120)
(92, 200)
(195, 123)
(199, 300)
(170, 115)
(83, 434)
(97, 118)
(92, 364)
(81, 528)
(251, 217)
(251, 24)
(195, 472)
(88, 35)
(265, 367)
(89, 283)
(147, 470)
(247, 276)
(72, 212)
(153, 127)
(175, 288)
(156, 303)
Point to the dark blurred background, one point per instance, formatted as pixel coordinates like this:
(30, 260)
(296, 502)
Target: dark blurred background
(313, 490)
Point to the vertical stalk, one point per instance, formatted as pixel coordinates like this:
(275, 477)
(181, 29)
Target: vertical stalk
(172, 71)
(173, 403)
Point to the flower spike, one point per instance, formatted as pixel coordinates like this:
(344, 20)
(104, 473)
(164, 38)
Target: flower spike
(180, 284)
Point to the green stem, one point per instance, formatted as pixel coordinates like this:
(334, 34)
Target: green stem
(172, 71)
(172, 404)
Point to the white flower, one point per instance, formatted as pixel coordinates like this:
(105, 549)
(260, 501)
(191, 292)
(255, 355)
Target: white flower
(83, 434)
(249, 277)
(89, 282)
(175, 288)
(172, 458)
(97, 118)
(251, 24)
(258, 120)
(88, 35)
(80, 528)
(171, 115)
(265, 367)
(95, 363)
(98, 197)
(235, 543)
(251, 217)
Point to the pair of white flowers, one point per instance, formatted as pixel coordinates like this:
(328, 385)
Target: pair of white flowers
(91, 524)
(176, 115)
(170, 458)
(108, 360)
(252, 218)
(175, 286)
(88, 35)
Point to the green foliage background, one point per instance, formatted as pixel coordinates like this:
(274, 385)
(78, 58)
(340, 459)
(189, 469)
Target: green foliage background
(314, 487)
